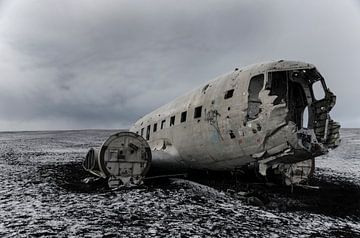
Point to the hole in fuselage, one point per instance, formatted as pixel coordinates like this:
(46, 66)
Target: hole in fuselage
(254, 102)
(296, 104)
(232, 135)
(286, 85)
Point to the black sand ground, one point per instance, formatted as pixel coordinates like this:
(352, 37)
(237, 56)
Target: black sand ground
(42, 194)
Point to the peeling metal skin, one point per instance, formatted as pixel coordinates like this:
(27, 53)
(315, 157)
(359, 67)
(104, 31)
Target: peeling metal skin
(252, 116)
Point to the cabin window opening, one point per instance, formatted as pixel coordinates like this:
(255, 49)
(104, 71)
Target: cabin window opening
(229, 94)
(232, 135)
(137, 132)
(204, 88)
(254, 102)
(142, 132)
(148, 132)
(172, 120)
(155, 127)
(197, 112)
(183, 116)
(162, 124)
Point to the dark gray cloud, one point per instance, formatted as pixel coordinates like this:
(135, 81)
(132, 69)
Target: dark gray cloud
(81, 64)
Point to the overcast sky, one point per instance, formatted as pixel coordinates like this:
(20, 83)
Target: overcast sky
(102, 64)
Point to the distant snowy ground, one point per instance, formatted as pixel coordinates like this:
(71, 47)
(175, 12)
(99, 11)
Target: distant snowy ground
(344, 161)
(41, 195)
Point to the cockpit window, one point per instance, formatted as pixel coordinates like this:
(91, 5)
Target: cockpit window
(318, 90)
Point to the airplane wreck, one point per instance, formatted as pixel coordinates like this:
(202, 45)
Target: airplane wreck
(274, 116)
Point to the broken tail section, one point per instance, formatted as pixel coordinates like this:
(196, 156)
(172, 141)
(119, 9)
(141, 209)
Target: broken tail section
(124, 160)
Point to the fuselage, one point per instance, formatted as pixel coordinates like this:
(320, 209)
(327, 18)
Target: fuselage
(236, 119)
(272, 116)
